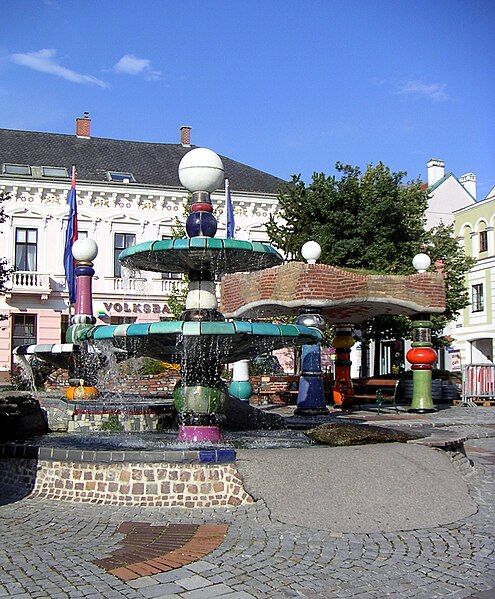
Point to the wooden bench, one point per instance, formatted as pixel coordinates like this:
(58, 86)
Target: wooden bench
(378, 390)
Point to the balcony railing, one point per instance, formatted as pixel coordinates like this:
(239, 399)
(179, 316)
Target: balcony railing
(135, 284)
(165, 286)
(26, 281)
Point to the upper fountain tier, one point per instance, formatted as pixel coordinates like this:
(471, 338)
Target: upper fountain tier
(201, 172)
(219, 256)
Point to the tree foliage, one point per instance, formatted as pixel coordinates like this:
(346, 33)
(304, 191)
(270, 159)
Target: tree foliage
(5, 271)
(373, 221)
(364, 220)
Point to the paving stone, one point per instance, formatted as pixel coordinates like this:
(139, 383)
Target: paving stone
(217, 590)
(145, 581)
(161, 590)
(200, 566)
(193, 582)
(172, 575)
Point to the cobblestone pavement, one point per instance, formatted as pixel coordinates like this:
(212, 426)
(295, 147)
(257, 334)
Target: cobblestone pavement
(47, 548)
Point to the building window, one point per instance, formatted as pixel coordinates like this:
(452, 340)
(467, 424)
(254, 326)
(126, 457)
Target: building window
(82, 234)
(483, 235)
(16, 169)
(477, 301)
(23, 329)
(121, 177)
(54, 171)
(122, 242)
(26, 241)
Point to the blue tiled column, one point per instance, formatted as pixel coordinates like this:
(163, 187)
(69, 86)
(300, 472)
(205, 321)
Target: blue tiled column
(311, 394)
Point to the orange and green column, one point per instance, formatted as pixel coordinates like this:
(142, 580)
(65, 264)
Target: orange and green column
(421, 356)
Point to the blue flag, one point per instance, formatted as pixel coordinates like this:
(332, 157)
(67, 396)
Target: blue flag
(229, 211)
(70, 237)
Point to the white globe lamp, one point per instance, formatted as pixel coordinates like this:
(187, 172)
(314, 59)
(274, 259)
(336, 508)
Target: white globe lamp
(311, 251)
(84, 250)
(201, 169)
(421, 262)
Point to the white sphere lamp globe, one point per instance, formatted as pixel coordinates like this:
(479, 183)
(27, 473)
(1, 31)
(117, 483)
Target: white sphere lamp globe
(311, 251)
(421, 262)
(201, 170)
(84, 250)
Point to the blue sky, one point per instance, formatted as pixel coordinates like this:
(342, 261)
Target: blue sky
(286, 86)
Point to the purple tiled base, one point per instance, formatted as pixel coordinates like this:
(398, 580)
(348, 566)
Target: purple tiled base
(199, 434)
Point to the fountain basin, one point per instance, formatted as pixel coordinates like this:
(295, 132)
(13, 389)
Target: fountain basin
(133, 469)
(228, 341)
(170, 478)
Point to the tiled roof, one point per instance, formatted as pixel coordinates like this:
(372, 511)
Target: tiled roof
(150, 163)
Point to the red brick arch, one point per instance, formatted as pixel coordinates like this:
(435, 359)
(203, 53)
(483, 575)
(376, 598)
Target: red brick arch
(344, 296)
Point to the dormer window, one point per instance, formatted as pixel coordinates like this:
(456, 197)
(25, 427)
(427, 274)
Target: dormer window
(54, 171)
(121, 177)
(16, 169)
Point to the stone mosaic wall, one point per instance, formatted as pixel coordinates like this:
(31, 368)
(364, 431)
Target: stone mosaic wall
(143, 484)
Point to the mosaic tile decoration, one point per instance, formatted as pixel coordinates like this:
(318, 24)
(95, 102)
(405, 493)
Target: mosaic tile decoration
(148, 549)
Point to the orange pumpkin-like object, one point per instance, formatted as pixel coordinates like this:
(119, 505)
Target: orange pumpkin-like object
(421, 356)
(82, 392)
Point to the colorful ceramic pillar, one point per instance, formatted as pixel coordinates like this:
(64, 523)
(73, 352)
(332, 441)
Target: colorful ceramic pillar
(342, 342)
(311, 394)
(84, 252)
(421, 356)
(201, 394)
(83, 371)
(240, 386)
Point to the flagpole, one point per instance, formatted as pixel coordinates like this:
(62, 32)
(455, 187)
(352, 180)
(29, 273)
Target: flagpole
(226, 208)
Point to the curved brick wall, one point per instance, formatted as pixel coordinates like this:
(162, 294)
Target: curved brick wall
(343, 295)
(144, 484)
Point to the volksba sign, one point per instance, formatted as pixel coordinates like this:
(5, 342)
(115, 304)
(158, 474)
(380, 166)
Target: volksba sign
(135, 308)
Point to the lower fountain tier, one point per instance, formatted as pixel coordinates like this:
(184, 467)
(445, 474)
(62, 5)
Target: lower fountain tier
(59, 355)
(225, 341)
(215, 255)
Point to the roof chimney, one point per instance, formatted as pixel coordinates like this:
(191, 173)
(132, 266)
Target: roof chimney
(185, 136)
(436, 170)
(83, 126)
(469, 182)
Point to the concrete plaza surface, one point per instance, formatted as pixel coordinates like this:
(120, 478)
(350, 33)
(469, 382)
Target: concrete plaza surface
(372, 521)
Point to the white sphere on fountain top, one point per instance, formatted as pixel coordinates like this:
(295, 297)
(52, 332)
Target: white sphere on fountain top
(311, 251)
(201, 170)
(84, 250)
(421, 262)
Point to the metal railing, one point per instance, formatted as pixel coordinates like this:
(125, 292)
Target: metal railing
(478, 383)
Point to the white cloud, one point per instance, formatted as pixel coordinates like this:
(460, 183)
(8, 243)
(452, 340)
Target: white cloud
(44, 61)
(432, 91)
(132, 65)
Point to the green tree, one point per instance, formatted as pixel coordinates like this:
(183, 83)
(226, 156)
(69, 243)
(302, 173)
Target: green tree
(176, 300)
(5, 271)
(367, 220)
